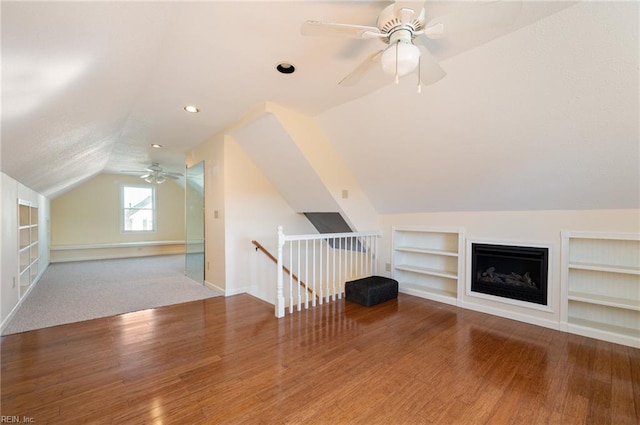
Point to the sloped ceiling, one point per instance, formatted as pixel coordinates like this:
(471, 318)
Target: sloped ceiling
(270, 147)
(542, 115)
(544, 118)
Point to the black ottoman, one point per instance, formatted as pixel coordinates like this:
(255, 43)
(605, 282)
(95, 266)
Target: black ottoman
(371, 290)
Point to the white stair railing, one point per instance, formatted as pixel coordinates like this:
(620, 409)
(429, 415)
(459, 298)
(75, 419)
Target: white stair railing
(320, 265)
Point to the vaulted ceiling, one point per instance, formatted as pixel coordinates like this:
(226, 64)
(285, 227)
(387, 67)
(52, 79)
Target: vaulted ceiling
(543, 114)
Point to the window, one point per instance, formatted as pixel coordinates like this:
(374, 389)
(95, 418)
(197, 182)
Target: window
(138, 209)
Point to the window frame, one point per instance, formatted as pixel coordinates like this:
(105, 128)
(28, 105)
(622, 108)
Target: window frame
(154, 224)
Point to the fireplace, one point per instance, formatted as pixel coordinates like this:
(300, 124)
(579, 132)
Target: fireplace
(515, 272)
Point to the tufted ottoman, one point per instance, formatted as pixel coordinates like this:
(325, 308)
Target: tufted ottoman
(371, 290)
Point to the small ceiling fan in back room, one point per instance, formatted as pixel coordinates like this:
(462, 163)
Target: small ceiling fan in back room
(404, 27)
(155, 174)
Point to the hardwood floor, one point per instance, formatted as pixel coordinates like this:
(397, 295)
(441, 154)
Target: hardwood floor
(229, 361)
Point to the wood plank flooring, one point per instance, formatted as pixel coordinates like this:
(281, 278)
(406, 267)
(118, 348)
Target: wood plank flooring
(229, 361)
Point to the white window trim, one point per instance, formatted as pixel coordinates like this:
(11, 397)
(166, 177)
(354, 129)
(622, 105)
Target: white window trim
(153, 210)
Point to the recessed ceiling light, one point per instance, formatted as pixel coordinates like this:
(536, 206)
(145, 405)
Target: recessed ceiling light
(191, 108)
(285, 68)
(155, 145)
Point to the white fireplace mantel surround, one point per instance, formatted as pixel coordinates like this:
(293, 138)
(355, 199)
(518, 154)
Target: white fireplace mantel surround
(509, 308)
(553, 287)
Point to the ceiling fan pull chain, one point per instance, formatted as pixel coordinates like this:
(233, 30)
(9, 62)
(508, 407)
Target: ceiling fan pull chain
(419, 85)
(397, 77)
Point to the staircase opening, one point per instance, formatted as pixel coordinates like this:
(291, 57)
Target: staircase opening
(328, 222)
(333, 222)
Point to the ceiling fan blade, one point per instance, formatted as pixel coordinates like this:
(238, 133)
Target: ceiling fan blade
(170, 174)
(406, 11)
(481, 17)
(172, 177)
(344, 30)
(362, 69)
(430, 70)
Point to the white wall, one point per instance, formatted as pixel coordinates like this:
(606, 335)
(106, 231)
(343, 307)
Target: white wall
(89, 215)
(253, 211)
(11, 191)
(330, 167)
(44, 231)
(211, 152)
(10, 291)
(241, 205)
(521, 227)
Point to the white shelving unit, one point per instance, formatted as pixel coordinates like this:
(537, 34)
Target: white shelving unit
(601, 286)
(27, 244)
(427, 262)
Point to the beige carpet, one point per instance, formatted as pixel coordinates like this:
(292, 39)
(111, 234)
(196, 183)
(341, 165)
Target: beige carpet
(78, 291)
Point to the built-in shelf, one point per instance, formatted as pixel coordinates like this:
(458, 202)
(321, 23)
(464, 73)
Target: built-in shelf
(426, 262)
(27, 244)
(596, 329)
(440, 295)
(601, 285)
(622, 303)
(427, 251)
(426, 271)
(605, 268)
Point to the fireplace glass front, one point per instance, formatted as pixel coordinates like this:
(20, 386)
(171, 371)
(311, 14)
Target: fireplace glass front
(515, 272)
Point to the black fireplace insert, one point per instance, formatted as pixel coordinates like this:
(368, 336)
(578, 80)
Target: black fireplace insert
(515, 272)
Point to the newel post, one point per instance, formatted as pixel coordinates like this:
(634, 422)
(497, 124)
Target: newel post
(280, 288)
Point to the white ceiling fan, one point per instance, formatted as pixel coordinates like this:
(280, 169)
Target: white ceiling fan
(403, 26)
(155, 174)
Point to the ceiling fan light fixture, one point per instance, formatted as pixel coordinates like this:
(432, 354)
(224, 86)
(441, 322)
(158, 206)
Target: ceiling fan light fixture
(155, 174)
(156, 145)
(191, 109)
(155, 178)
(400, 58)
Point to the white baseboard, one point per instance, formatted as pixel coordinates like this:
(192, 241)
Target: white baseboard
(235, 291)
(214, 287)
(226, 292)
(510, 315)
(15, 308)
(604, 335)
(114, 252)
